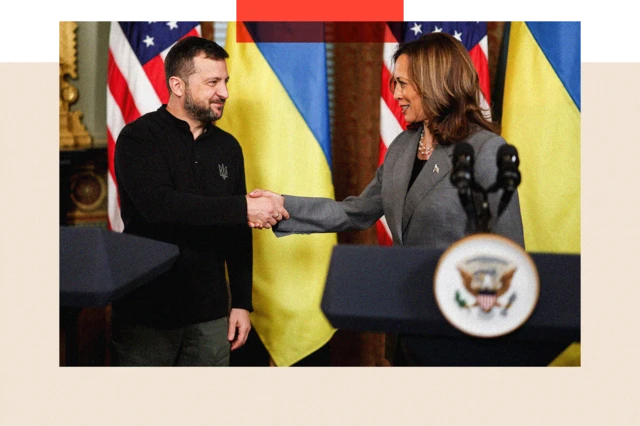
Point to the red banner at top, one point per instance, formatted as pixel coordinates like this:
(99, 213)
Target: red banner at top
(327, 10)
(316, 32)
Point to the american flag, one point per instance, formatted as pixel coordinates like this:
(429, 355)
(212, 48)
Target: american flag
(473, 36)
(136, 82)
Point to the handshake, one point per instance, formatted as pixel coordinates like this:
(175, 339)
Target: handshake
(265, 209)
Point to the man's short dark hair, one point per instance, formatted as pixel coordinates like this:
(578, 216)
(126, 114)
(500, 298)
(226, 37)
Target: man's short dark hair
(179, 60)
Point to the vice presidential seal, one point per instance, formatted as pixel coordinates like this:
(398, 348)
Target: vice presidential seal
(486, 285)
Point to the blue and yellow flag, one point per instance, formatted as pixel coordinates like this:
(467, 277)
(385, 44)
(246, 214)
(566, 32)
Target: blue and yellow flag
(278, 110)
(541, 117)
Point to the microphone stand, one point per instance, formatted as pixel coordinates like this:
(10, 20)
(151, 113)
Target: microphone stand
(484, 216)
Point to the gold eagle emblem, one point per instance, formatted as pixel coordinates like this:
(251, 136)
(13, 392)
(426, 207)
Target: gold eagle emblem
(486, 284)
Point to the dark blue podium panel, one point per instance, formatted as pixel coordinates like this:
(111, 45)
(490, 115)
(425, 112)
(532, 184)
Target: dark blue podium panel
(390, 289)
(97, 265)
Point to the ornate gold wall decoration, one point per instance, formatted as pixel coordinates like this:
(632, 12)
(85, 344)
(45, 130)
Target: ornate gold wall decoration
(73, 134)
(83, 187)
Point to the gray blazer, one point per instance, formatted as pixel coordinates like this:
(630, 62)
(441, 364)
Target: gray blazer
(430, 214)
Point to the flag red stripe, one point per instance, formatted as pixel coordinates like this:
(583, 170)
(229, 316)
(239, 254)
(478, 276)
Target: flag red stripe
(120, 92)
(194, 32)
(111, 150)
(382, 152)
(383, 237)
(387, 96)
(154, 69)
(482, 67)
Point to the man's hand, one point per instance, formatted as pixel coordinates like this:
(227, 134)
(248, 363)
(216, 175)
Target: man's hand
(261, 212)
(238, 320)
(269, 217)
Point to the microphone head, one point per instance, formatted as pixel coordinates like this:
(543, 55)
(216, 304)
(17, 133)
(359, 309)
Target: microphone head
(508, 162)
(462, 173)
(463, 152)
(507, 155)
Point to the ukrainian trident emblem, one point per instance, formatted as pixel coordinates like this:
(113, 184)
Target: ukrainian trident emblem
(223, 171)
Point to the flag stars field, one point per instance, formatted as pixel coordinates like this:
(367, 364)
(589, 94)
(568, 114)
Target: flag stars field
(148, 41)
(172, 25)
(417, 29)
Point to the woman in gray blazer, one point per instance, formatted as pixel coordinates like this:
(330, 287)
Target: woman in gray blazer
(435, 83)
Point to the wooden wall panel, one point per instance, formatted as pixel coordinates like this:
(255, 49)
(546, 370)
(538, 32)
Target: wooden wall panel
(355, 147)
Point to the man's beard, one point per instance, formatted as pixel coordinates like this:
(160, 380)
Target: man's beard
(202, 114)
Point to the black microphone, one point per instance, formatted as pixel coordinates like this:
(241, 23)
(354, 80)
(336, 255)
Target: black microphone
(462, 178)
(508, 174)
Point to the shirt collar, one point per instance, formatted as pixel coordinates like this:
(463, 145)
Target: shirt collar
(181, 125)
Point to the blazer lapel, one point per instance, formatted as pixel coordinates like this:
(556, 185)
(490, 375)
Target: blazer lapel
(438, 166)
(401, 176)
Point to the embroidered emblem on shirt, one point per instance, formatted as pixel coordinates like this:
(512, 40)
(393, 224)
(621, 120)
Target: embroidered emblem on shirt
(223, 171)
(436, 169)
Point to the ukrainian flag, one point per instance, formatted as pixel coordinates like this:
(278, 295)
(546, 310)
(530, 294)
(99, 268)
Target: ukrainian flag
(278, 110)
(541, 117)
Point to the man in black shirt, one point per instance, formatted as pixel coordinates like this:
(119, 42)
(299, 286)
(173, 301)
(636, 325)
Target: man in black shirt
(181, 180)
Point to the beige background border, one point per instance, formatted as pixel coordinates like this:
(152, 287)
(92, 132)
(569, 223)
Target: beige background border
(35, 391)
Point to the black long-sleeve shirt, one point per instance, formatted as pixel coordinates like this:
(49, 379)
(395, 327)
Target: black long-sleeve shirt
(190, 193)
